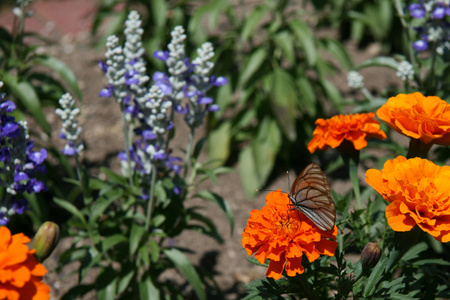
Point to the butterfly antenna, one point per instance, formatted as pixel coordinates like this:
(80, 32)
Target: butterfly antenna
(258, 190)
(289, 181)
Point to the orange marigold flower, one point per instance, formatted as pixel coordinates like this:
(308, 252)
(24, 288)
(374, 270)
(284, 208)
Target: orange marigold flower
(20, 271)
(418, 192)
(356, 128)
(275, 232)
(423, 118)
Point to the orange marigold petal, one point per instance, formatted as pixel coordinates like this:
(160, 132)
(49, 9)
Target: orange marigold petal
(397, 220)
(356, 128)
(423, 118)
(276, 232)
(294, 267)
(20, 272)
(275, 269)
(419, 194)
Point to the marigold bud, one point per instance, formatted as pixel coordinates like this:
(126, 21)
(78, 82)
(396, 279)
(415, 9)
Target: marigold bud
(46, 239)
(370, 255)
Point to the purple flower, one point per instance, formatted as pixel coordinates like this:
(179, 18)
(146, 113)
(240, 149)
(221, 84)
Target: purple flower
(11, 129)
(214, 107)
(19, 206)
(219, 81)
(162, 81)
(176, 190)
(20, 176)
(8, 106)
(38, 157)
(130, 77)
(191, 94)
(420, 45)
(3, 219)
(417, 11)
(69, 149)
(438, 13)
(205, 100)
(159, 155)
(35, 186)
(103, 66)
(5, 154)
(148, 135)
(161, 55)
(179, 108)
(106, 92)
(172, 163)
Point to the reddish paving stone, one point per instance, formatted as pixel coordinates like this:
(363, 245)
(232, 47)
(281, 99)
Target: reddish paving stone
(56, 17)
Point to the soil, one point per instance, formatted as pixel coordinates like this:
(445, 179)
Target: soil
(103, 140)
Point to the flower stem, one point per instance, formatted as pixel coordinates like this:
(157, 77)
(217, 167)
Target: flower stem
(418, 149)
(353, 172)
(81, 179)
(189, 152)
(151, 200)
(127, 143)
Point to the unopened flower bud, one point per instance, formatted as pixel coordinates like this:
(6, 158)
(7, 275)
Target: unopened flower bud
(370, 255)
(46, 240)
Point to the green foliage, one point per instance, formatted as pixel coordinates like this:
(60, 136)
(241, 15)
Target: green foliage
(28, 83)
(278, 74)
(124, 226)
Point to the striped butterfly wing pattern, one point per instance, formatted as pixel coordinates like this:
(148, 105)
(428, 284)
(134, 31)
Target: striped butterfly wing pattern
(311, 194)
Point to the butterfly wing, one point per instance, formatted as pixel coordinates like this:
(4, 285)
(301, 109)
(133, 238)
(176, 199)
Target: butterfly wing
(311, 194)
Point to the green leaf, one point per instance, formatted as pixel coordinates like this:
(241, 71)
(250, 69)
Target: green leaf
(112, 240)
(380, 61)
(159, 13)
(136, 233)
(26, 94)
(70, 208)
(308, 98)
(186, 267)
(127, 275)
(375, 277)
(114, 177)
(252, 64)
(252, 21)
(248, 171)
(265, 148)
(332, 93)
(284, 41)
(435, 261)
(283, 102)
(116, 20)
(221, 202)
(198, 147)
(305, 40)
(78, 291)
(155, 251)
(64, 71)
(219, 143)
(414, 251)
(106, 284)
(223, 99)
(339, 52)
(100, 205)
(147, 289)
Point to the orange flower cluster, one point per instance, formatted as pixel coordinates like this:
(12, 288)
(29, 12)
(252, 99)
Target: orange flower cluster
(275, 232)
(418, 192)
(423, 118)
(356, 128)
(20, 271)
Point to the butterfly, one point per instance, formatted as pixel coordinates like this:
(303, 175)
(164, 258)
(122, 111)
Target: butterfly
(311, 194)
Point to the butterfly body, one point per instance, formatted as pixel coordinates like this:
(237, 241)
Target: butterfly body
(311, 194)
